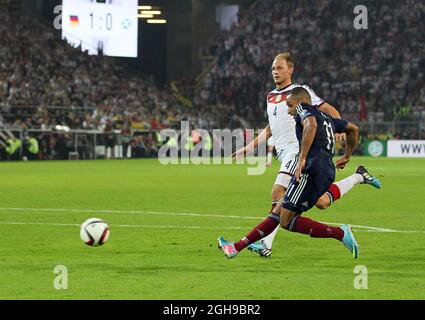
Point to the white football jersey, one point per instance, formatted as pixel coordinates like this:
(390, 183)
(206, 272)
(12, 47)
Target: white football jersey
(281, 123)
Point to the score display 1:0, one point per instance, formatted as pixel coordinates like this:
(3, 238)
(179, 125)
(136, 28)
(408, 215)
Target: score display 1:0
(108, 21)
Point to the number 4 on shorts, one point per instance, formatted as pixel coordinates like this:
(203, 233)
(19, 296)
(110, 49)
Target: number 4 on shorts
(288, 164)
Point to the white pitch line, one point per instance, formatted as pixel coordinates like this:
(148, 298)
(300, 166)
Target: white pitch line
(366, 228)
(133, 212)
(120, 225)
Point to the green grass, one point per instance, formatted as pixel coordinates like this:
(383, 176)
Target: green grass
(145, 259)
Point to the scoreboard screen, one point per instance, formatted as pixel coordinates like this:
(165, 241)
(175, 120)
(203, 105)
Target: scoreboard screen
(102, 27)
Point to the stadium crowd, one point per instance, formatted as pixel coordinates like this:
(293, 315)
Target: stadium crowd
(44, 83)
(39, 69)
(372, 75)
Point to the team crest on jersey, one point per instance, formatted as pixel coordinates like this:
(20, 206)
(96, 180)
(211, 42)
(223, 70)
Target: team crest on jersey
(276, 98)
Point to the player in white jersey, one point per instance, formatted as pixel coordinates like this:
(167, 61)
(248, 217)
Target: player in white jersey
(282, 127)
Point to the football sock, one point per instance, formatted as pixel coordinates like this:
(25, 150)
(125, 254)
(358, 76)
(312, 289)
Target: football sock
(260, 231)
(334, 193)
(338, 189)
(314, 229)
(268, 241)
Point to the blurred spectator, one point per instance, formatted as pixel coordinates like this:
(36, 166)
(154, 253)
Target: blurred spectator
(60, 146)
(138, 147)
(109, 140)
(30, 148)
(126, 137)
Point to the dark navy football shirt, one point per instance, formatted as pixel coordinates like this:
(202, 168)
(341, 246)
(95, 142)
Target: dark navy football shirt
(324, 140)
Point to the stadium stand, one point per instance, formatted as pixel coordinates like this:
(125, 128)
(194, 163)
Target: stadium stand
(38, 70)
(354, 67)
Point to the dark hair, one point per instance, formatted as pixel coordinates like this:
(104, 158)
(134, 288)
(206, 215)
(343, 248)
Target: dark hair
(300, 92)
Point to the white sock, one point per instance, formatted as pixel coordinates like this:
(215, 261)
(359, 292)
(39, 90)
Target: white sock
(268, 241)
(269, 157)
(348, 183)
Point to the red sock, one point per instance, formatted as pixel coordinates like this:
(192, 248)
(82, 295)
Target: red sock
(334, 192)
(262, 230)
(315, 229)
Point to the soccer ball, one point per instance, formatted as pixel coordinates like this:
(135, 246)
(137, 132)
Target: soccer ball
(94, 232)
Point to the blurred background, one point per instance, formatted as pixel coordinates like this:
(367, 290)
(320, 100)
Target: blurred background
(89, 79)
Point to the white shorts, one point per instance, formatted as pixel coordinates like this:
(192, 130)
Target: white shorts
(289, 161)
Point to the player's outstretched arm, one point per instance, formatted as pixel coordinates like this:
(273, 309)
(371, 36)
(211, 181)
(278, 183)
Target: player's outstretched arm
(261, 138)
(309, 132)
(330, 110)
(352, 133)
(333, 112)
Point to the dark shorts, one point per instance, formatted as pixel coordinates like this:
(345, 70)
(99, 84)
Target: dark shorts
(303, 195)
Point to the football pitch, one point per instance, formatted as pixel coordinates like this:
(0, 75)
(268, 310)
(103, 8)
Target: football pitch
(165, 220)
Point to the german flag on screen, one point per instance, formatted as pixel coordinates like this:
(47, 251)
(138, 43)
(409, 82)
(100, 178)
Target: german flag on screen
(74, 20)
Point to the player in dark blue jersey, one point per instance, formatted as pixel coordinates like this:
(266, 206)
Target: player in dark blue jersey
(314, 175)
(315, 131)
(316, 171)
